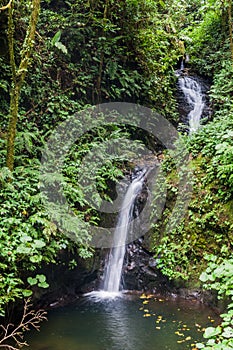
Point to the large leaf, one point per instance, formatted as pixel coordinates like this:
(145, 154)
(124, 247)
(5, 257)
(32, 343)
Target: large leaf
(61, 47)
(56, 38)
(211, 332)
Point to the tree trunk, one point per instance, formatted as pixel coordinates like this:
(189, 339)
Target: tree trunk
(18, 74)
(14, 107)
(230, 28)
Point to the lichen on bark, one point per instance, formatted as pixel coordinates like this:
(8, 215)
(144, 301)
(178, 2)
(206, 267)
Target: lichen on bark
(18, 73)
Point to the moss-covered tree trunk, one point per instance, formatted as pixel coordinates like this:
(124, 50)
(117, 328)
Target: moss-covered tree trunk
(18, 73)
(230, 28)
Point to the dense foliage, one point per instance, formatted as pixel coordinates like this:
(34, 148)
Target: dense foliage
(208, 222)
(86, 53)
(208, 225)
(218, 277)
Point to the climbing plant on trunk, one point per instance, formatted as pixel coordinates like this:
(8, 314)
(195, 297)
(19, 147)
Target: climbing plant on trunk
(19, 72)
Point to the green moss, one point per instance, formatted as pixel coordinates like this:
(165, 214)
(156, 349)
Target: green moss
(203, 230)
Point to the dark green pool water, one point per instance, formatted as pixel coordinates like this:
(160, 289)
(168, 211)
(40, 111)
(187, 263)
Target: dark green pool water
(127, 323)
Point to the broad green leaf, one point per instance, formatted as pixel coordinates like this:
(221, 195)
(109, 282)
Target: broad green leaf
(43, 285)
(38, 243)
(32, 281)
(61, 47)
(204, 277)
(25, 239)
(41, 278)
(21, 249)
(211, 332)
(227, 332)
(27, 293)
(35, 258)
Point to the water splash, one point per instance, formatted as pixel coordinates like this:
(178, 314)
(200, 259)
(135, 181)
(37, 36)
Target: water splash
(99, 295)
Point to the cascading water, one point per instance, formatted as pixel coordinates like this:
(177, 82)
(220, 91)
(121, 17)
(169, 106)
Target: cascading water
(194, 97)
(113, 270)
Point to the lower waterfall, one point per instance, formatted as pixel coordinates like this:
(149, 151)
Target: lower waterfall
(113, 270)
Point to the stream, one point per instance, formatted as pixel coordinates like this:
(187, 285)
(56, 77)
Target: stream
(131, 322)
(113, 319)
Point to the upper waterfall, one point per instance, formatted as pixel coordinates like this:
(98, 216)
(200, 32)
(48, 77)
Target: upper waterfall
(194, 97)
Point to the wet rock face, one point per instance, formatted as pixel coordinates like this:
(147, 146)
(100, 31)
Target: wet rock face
(66, 285)
(140, 272)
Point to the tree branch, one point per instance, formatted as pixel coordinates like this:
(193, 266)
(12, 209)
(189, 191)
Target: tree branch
(6, 7)
(30, 318)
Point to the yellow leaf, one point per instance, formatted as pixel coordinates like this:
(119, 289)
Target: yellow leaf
(150, 296)
(180, 334)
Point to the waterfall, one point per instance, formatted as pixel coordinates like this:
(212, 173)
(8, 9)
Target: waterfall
(182, 65)
(113, 270)
(194, 97)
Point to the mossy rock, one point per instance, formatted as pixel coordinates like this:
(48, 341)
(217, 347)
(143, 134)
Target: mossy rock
(204, 230)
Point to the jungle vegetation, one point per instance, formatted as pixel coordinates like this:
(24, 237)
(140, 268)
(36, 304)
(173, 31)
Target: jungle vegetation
(61, 57)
